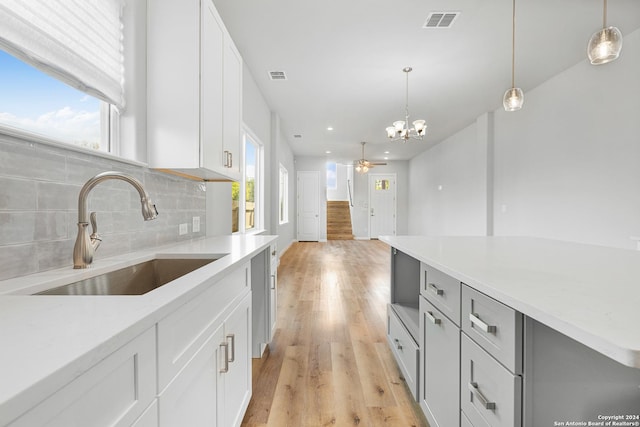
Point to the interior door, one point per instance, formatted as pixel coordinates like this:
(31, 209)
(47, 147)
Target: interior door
(382, 205)
(308, 206)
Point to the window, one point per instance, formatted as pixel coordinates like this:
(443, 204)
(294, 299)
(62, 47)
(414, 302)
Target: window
(246, 196)
(332, 176)
(34, 102)
(45, 46)
(283, 204)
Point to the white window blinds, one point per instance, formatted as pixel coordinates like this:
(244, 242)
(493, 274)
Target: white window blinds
(77, 41)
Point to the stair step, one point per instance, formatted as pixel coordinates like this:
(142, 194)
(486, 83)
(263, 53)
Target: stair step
(339, 220)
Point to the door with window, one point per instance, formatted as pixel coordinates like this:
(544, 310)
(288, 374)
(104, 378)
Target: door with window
(382, 205)
(308, 206)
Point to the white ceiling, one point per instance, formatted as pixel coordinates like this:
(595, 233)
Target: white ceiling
(344, 59)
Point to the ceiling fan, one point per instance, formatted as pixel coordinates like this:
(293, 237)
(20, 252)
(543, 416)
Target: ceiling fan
(363, 165)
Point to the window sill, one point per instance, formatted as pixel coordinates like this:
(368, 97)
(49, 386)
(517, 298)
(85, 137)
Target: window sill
(9, 132)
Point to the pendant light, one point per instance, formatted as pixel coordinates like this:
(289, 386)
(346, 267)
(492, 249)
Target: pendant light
(605, 45)
(401, 129)
(513, 97)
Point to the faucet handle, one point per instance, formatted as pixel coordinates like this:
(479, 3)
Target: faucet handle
(96, 239)
(94, 223)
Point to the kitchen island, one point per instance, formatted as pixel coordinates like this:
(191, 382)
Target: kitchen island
(558, 320)
(50, 342)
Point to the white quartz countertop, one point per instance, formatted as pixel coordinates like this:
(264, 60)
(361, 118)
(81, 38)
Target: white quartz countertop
(47, 341)
(589, 293)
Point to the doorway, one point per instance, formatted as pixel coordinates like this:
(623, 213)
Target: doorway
(382, 205)
(308, 206)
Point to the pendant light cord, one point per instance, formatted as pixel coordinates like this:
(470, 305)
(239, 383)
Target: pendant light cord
(604, 15)
(513, 45)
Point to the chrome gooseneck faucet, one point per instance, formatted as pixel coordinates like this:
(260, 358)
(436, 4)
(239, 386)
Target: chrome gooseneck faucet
(86, 244)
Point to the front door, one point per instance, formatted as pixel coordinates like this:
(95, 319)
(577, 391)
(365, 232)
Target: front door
(382, 205)
(308, 206)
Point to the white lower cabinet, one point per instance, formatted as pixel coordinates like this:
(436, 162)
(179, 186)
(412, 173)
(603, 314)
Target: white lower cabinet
(192, 398)
(212, 386)
(114, 392)
(439, 367)
(236, 381)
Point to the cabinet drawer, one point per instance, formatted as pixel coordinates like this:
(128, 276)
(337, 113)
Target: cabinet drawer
(114, 392)
(495, 326)
(490, 395)
(440, 367)
(181, 333)
(441, 290)
(405, 350)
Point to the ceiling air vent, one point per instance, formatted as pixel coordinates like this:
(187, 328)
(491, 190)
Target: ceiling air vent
(297, 135)
(440, 19)
(277, 75)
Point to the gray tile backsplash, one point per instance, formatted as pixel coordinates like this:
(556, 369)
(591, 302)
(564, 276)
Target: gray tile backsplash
(39, 186)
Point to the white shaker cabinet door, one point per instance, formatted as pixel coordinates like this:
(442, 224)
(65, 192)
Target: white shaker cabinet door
(192, 398)
(236, 390)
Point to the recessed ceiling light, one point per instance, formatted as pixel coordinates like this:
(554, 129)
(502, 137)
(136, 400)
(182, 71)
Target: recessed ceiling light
(386, 152)
(330, 128)
(327, 152)
(386, 158)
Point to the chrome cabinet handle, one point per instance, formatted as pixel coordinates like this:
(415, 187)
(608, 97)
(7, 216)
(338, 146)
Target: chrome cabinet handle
(480, 324)
(433, 319)
(273, 281)
(435, 289)
(226, 358)
(473, 388)
(398, 345)
(232, 337)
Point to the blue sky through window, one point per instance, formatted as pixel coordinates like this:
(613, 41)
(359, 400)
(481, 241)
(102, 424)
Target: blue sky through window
(33, 101)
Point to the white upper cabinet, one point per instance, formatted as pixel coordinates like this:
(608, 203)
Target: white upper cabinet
(194, 91)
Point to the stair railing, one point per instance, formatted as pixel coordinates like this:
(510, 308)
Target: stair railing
(349, 189)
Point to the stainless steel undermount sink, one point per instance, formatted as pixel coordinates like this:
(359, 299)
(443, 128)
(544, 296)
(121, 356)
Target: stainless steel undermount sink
(137, 279)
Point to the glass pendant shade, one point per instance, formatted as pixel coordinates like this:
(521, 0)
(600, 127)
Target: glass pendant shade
(391, 131)
(419, 126)
(605, 46)
(399, 125)
(513, 99)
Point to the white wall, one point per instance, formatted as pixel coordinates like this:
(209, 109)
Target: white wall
(566, 165)
(286, 232)
(448, 185)
(563, 167)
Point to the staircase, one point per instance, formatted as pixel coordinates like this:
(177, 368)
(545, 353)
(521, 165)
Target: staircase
(339, 221)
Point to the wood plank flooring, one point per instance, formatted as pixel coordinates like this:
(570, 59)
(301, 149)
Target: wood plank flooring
(329, 363)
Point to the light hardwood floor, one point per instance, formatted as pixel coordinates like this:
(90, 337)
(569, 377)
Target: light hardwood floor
(329, 363)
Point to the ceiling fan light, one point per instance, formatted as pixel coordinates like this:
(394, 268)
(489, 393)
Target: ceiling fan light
(513, 99)
(399, 125)
(604, 46)
(419, 126)
(391, 131)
